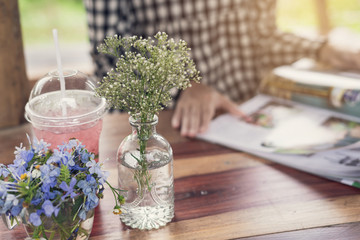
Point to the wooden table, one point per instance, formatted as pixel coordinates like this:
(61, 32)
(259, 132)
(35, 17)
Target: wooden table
(221, 194)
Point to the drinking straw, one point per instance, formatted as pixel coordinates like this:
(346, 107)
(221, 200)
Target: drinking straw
(61, 75)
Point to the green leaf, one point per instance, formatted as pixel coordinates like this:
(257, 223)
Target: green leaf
(64, 175)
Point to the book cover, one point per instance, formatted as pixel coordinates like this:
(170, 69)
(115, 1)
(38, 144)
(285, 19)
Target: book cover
(305, 83)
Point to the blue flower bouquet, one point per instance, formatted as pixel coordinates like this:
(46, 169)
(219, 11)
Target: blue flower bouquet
(53, 192)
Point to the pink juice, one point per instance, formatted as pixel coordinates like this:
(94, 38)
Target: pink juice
(82, 119)
(88, 136)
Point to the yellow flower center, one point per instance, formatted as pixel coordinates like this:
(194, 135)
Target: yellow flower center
(23, 176)
(117, 211)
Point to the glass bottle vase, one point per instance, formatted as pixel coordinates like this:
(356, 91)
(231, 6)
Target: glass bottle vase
(145, 167)
(66, 225)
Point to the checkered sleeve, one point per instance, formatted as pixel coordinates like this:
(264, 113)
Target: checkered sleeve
(232, 41)
(105, 18)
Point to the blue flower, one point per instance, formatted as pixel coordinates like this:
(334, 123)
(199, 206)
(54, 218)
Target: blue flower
(18, 167)
(86, 156)
(68, 189)
(59, 157)
(78, 168)
(71, 162)
(91, 201)
(3, 189)
(49, 174)
(49, 192)
(19, 149)
(38, 197)
(51, 195)
(40, 146)
(49, 209)
(85, 186)
(55, 158)
(73, 143)
(96, 168)
(36, 201)
(45, 188)
(27, 155)
(35, 219)
(16, 209)
(89, 185)
(22, 153)
(40, 211)
(82, 214)
(3, 171)
(9, 202)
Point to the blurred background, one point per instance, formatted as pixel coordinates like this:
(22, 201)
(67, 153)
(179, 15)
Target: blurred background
(338, 19)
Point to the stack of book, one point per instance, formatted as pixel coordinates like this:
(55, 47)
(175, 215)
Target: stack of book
(305, 83)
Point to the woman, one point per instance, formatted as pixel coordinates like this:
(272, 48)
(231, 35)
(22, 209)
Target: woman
(234, 43)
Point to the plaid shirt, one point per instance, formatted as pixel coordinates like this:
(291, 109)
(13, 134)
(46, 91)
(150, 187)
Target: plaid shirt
(233, 42)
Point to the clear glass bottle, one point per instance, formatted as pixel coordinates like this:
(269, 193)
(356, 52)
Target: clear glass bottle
(145, 167)
(66, 225)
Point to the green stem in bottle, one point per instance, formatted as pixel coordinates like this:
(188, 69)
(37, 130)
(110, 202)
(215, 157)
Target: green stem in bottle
(142, 174)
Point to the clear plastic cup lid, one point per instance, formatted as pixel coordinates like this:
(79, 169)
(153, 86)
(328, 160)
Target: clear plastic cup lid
(78, 104)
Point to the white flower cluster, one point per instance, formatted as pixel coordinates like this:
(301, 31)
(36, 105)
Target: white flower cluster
(145, 72)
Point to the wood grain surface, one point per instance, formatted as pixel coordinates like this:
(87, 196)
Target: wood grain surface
(222, 194)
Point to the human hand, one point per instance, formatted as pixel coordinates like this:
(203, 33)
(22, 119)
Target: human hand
(197, 106)
(341, 59)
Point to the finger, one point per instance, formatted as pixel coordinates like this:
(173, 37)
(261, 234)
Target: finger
(185, 121)
(175, 120)
(194, 121)
(232, 108)
(206, 116)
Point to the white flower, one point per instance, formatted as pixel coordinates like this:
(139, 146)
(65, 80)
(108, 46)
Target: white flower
(145, 76)
(35, 173)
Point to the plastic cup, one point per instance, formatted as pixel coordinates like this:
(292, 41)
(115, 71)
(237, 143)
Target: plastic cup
(84, 110)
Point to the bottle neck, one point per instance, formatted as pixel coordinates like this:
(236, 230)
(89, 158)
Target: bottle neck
(143, 130)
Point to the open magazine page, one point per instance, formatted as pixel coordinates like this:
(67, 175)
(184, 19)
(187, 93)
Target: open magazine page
(314, 140)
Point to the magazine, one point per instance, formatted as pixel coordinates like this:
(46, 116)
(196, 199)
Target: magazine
(314, 140)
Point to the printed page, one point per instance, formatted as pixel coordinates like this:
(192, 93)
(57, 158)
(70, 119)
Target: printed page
(315, 140)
